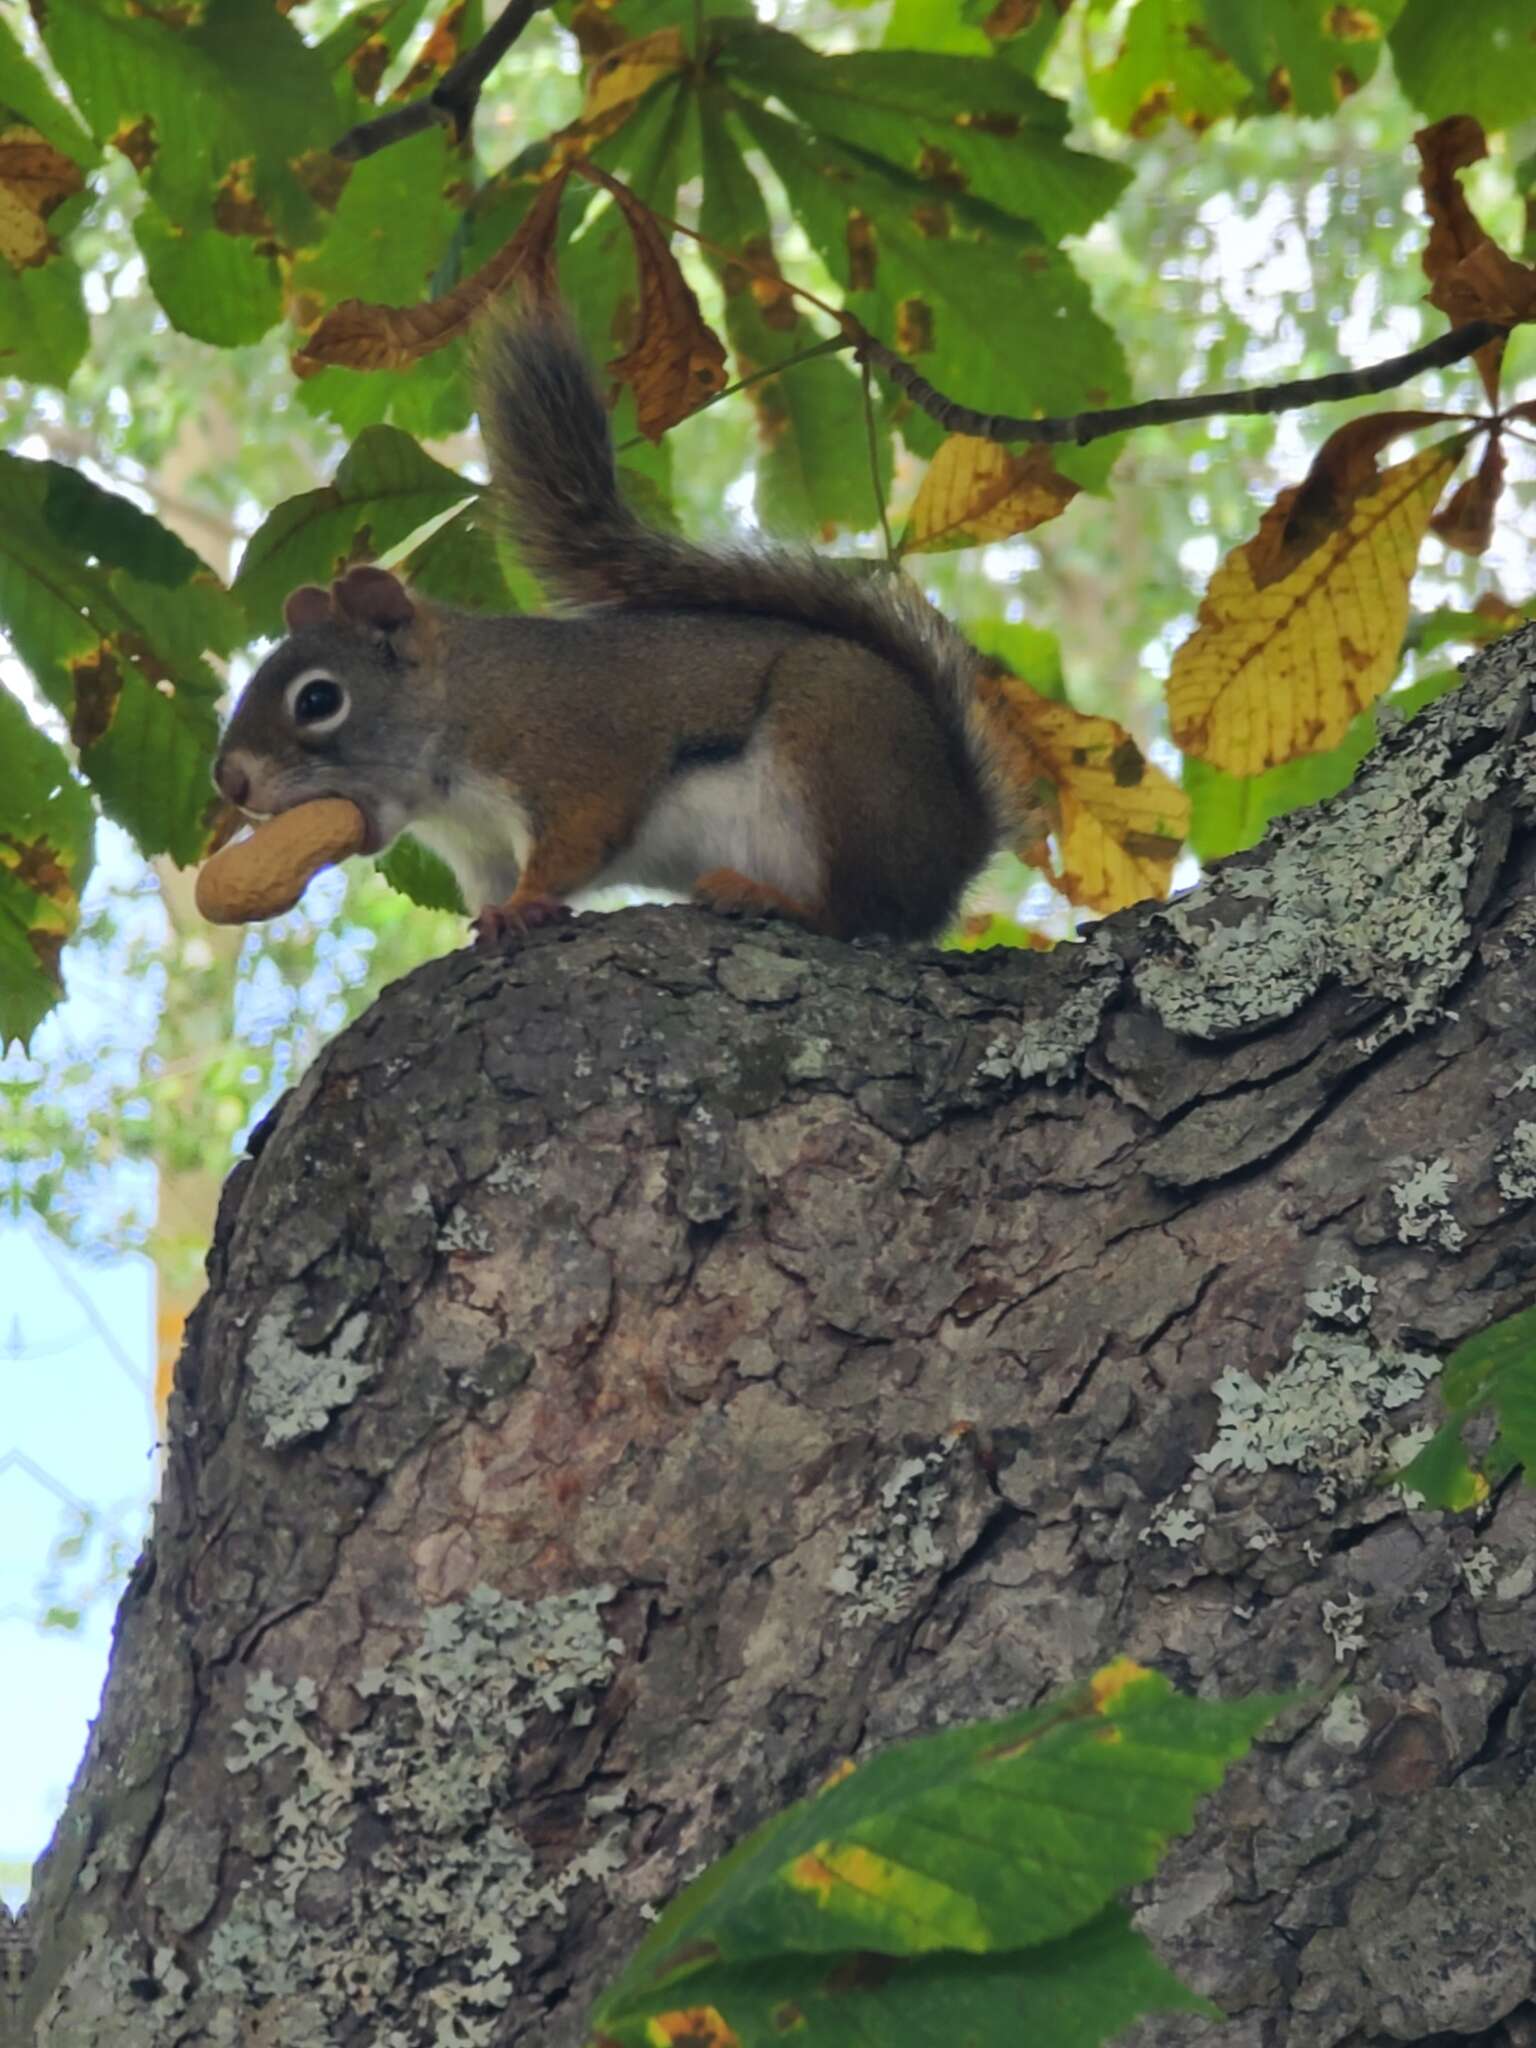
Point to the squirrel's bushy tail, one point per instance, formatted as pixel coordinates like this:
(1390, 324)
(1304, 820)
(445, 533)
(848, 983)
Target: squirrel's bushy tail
(556, 494)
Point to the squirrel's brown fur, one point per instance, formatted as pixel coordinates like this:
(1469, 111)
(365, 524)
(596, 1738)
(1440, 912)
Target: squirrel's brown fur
(757, 725)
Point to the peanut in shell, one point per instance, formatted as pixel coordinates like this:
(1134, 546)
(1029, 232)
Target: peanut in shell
(266, 874)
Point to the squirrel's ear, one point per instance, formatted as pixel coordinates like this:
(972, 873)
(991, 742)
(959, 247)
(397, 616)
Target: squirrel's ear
(373, 598)
(310, 606)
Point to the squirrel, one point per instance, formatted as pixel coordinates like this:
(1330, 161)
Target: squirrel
(754, 726)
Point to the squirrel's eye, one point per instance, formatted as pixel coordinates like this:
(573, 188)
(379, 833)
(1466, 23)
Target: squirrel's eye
(318, 702)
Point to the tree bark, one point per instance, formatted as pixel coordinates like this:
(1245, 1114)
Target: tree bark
(643, 1370)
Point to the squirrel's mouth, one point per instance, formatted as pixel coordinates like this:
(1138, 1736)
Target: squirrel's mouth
(375, 839)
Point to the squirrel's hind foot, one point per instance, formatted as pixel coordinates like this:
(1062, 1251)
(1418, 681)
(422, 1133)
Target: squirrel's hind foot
(730, 894)
(499, 923)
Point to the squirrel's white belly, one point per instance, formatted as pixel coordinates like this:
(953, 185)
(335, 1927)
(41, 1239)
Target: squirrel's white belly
(483, 833)
(745, 814)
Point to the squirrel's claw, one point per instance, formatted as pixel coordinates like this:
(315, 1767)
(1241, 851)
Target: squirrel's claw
(498, 923)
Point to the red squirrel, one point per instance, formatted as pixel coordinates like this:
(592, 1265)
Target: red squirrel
(761, 728)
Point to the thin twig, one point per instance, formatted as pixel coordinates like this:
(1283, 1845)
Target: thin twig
(874, 458)
(1454, 347)
(1081, 427)
(452, 101)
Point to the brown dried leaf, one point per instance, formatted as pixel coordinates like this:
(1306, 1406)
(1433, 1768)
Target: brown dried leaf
(137, 141)
(34, 179)
(1470, 277)
(978, 491)
(1465, 521)
(438, 54)
(677, 362)
(1305, 516)
(1010, 18)
(360, 336)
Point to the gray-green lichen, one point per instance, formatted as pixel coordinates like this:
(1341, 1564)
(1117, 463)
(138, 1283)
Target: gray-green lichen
(1050, 1048)
(1480, 1570)
(1368, 891)
(1342, 1625)
(1344, 1726)
(1346, 1298)
(1174, 1523)
(428, 1921)
(1324, 1411)
(1423, 1202)
(1515, 1164)
(294, 1392)
(884, 1560)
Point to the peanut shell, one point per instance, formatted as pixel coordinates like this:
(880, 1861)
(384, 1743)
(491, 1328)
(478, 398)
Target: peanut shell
(266, 874)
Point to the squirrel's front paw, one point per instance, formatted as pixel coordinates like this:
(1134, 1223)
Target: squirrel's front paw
(500, 922)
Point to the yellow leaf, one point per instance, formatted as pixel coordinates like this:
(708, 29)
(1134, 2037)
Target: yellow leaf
(978, 491)
(1280, 665)
(1118, 822)
(880, 1888)
(1108, 1684)
(632, 69)
(836, 1775)
(695, 2026)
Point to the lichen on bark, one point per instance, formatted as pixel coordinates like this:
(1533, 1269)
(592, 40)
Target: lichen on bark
(732, 1351)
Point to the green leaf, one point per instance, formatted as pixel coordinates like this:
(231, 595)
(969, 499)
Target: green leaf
(640, 17)
(46, 838)
(1230, 812)
(937, 25)
(366, 41)
(1073, 1993)
(385, 488)
(430, 399)
(1301, 38)
(1029, 651)
(420, 875)
(951, 124)
(113, 529)
(359, 257)
(218, 288)
(458, 565)
(44, 332)
(1493, 1371)
(1448, 626)
(813, 467)
(1407, 702)
(1442, 1474)
(119, 654)
(980, 936)
(972, 296)
(1167, 67)
(28, 95)
(1483, 63)
(989, 1840)
(238, 86)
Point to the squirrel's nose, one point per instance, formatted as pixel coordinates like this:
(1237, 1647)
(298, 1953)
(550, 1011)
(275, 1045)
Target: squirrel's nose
(232, 780)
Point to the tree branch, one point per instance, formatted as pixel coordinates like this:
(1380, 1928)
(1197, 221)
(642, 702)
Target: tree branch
(1080, 427)
(668, 1332)
(452, 101)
